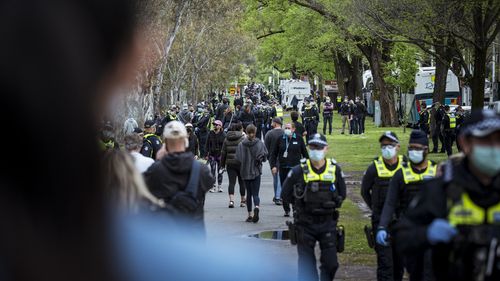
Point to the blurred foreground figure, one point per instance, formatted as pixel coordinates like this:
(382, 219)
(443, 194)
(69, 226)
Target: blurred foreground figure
(61, 60)
(457, 215)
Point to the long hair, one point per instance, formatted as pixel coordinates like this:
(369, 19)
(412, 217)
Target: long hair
(56, 57)
(124, 185)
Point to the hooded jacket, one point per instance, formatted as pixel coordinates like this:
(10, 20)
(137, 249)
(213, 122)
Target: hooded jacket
(228, 154)
(171, 174)
(251, 154)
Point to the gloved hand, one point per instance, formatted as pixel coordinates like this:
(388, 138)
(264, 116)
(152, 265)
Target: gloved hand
(382, 237)
(440, 231)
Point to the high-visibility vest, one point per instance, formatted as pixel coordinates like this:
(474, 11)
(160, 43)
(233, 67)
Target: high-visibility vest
(339, 99)
(466, 212)
(327, 176)
(411, 177)
(279, 111)
(453, 120)
(382, 171)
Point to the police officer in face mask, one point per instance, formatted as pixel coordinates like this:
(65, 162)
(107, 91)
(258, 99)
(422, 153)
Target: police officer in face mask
(317, 189)
(403, 187)
(374, 191)
(458, 214)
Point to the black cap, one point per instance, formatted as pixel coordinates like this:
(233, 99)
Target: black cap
(138, 130)
(277, 120)
(420, 137)
(149, 123)
(481, 123)
(389, 135)
(318, 140)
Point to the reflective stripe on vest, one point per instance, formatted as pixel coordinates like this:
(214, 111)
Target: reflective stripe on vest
(410, 177)
(279, 111)
(152, 135)
(327, 176)
(339, 99)
(466, 212)
(382, 171)
(453, 120)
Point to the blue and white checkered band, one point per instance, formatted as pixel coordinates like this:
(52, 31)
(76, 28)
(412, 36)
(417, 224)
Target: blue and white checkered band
(316, 139)
(490, 124)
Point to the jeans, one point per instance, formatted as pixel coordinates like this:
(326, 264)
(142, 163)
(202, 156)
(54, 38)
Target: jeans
(214, 167)
(354, 126)
(327, 119)
(252, 187)
(283, 174)
(277, 186)
(232, 174)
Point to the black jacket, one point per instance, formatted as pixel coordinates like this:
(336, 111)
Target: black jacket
(165, 177)
(431, 203)
(228, 154)
(214, 143)
(150, 145)
(296, 151)
(193, 144)
(246, 118)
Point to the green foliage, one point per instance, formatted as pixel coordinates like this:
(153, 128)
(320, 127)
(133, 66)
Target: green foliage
(403, 67)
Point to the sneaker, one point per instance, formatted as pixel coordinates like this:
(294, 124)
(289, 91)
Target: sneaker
(287, 214)
(278, 202)
(255, 215)
(243, 204)
(212, 190)
(220, 188)
(249, 219)
(231, 204)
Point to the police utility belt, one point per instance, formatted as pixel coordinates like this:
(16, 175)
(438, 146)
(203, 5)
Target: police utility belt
(319, 195)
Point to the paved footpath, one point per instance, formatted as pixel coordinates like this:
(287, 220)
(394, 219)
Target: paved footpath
(231, 222)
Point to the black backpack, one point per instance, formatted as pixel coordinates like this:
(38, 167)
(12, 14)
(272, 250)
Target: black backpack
(186, 201)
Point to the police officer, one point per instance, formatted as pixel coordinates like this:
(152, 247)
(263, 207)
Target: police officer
(171, 115)
(151, 143)
(311, 119)
(107, 137)
(458, 214)
(258, 112)
(403, 187)
(339, 101)
(317, 189)
(424, 119)
(327, 115)
(449, 126)
(374, 191)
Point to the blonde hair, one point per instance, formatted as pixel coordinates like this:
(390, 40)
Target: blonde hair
(124, 185)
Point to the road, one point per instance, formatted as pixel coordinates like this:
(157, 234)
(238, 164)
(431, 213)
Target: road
(221, 220)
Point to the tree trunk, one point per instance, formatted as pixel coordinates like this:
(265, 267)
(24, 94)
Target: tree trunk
(441, 73)
(356, 74)
(339, 74)
(477, 81)
(382, 92)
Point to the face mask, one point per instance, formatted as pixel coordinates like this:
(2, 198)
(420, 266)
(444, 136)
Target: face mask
(288, 132)
(486, 159)
(316, 155)
(388, 152)
(416, 156)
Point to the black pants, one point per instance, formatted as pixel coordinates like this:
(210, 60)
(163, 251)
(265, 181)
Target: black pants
(253, 187)
(437, 135)
(258, 133)
(232, 174)
(354, 126)
(425, 128)
(326, 234)
(449, 138)
(214, 167)
(327, 119)
(389, 263)
(311, 128)
(283, 173)
(361, 124)
(202, 137)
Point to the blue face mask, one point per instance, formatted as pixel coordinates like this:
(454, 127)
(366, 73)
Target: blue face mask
(388, 152)
(316, 155)
(416, 156)
(486, 159)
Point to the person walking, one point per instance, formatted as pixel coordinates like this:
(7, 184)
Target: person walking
(311, 118)
(270, 140)
(251, 153)
(318, 189)
(374, 188)
(213, 148)
(327, 116)
(194, 145)
(246, 116)
(299, 128)
(286, 154)
(228, 161)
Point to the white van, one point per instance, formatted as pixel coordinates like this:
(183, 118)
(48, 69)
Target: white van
(297, 88)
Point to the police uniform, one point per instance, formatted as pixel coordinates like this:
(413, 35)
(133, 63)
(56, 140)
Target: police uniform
(449, 126)
(311, 119)
(317, 194)
(424, 120)
(151, 144)
(403, 187)
(374, 192)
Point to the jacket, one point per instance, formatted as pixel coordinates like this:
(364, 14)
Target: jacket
(228, 154)
(296, 150)
(171, 174)
(193, 144)
(214, 143)
(251, 154)
(271, 139)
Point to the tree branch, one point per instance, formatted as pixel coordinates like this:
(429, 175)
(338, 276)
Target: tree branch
(270, 33)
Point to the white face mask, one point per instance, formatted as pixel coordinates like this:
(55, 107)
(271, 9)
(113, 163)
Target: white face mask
(388, 152)
(316, 155)
(288, 132)
(486, 159)
(416, 156)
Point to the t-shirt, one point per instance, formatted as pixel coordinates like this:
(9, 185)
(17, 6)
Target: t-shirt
(141, 162)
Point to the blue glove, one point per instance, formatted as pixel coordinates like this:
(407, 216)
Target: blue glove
(382, 237)
(440, 231)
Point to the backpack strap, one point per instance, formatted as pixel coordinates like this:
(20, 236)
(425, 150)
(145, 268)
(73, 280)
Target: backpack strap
(194, 178)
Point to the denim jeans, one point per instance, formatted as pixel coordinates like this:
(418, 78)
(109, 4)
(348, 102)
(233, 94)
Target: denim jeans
(277, 186)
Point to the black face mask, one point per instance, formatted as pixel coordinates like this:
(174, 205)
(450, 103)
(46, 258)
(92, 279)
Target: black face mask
(189, 131)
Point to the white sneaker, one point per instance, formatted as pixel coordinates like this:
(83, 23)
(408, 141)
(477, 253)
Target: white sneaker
(212, 190)
(220, 189)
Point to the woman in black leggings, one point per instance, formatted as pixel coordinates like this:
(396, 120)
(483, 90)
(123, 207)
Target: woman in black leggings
(233, 138)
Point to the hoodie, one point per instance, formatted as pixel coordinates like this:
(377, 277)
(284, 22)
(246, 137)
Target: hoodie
(251, 154)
